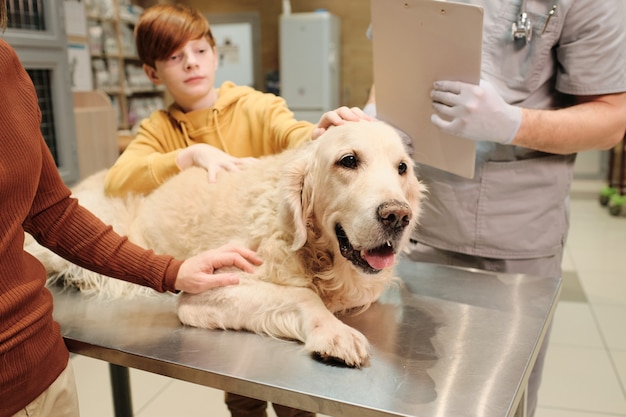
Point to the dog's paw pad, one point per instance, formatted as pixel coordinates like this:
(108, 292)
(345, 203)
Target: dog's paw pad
(343, 345)
(333, 361)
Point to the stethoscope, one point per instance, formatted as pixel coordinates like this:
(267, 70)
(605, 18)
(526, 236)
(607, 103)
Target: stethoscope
(522, 29)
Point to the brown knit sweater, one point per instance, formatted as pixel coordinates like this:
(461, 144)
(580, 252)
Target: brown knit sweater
(34, 199)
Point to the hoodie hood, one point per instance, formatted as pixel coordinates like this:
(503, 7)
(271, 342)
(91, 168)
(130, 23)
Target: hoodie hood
(195, 124)
(227, 95)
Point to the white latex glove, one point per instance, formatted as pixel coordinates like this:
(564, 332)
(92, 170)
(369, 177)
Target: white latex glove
(474, 112)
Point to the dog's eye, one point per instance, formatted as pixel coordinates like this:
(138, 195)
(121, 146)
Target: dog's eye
(349, 161)
(402, 168)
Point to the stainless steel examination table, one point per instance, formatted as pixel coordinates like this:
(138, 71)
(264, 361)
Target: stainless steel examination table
(448, 342)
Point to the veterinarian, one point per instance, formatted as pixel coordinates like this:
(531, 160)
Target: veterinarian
(36, 377)
(548, 90)
(213, 128)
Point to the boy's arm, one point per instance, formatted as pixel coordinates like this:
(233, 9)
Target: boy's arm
(147, 162)
(289, 132)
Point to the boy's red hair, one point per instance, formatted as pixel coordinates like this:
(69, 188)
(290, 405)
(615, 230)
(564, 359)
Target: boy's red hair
(164, 28)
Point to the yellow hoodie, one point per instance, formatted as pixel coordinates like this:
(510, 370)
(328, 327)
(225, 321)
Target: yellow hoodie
(243, 122)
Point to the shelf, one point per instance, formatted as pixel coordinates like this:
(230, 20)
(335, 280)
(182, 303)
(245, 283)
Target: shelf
(116, 66)
(99, 18)
(144, 90)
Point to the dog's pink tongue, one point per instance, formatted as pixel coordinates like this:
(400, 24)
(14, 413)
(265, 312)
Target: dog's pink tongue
(379, 259)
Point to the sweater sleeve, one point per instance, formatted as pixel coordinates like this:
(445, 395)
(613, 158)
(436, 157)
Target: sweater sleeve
(58, 222)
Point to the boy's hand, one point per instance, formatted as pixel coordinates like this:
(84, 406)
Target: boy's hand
(201, 272)
(337, 118)
(211, 159)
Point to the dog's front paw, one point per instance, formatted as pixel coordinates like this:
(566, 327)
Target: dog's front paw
(339, 342)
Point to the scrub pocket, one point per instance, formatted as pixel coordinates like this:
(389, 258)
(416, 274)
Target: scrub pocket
(522, 65)
(522, 209)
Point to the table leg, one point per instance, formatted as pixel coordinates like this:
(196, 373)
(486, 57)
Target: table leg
(521, 407)
(120, 385)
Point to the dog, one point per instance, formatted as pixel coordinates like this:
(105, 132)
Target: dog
(328, 219)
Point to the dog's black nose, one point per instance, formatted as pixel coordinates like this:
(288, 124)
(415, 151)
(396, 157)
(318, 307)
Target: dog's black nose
(394, 214)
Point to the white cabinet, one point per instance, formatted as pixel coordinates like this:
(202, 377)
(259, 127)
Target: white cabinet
(309, 63)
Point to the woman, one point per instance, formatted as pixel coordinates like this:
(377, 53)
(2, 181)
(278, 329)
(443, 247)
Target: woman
(36, 378)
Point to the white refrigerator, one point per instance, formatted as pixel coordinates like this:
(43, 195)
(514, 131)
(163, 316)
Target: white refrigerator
(310, 63)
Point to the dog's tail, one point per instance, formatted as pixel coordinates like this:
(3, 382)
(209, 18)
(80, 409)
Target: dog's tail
(63, 273)
(117, 212)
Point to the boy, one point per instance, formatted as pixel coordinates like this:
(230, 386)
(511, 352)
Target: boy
(216, 129)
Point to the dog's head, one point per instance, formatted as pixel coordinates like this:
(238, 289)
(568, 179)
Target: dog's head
(356, 184)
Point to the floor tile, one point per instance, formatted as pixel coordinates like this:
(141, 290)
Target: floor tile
(619, 358)
(182, 398)
(581, 379)
(559, 412)
(568, 263)
(186, 399)
(611, 319)
(145, 387)
(599, 261)
(93, 386)
(603, 287)
(596, 239)
(571, 288)
(575, 326)
(588, 189)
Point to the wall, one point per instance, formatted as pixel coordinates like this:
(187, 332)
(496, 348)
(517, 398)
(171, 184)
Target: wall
(356, 57)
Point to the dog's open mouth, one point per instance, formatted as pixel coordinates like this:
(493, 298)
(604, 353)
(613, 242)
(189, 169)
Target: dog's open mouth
(372, 260)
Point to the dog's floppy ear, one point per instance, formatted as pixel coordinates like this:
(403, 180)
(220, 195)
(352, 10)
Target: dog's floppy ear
(298, 197)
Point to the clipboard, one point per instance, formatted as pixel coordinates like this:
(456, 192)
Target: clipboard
(415, 43)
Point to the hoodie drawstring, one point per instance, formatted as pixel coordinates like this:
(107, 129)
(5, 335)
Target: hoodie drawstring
(219, 132)
(183, 127)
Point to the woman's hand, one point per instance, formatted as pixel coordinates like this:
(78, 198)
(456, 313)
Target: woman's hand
(202, 272)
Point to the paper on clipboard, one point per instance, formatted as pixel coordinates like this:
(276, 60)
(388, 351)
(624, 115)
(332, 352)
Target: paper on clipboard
(418, 42)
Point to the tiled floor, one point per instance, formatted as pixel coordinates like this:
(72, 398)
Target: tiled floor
(585, 373)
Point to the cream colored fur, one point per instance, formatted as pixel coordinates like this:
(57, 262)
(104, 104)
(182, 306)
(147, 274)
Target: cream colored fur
(286, 207)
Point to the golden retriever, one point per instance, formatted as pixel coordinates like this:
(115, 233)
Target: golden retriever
(327, 218)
